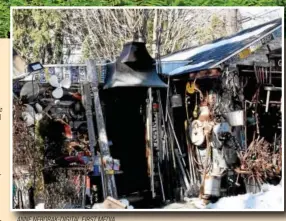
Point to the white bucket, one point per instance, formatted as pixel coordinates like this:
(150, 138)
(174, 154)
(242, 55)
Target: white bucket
(212, 185)
(235, 118)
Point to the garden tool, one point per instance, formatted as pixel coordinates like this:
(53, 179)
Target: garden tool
(196, 109)
(194, 187)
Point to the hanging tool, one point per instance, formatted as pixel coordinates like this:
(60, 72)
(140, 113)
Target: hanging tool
(167, 99)
(192, 88)
(193, 191)
(178, 153)
(196, 109)
(149, 140)
(185, 178)
(160, 136)
(162, 129)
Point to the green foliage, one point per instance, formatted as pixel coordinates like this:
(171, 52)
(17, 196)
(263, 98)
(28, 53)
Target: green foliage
(35, 26)
(4, 19)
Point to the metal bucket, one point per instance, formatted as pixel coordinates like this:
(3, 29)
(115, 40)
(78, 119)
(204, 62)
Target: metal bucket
(252, 186)
(212, 185)
(176, 101)
(235, 118)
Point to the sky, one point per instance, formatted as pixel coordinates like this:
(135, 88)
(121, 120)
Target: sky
(259, 15)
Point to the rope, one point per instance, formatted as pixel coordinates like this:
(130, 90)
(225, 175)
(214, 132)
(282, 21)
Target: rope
(208, 165)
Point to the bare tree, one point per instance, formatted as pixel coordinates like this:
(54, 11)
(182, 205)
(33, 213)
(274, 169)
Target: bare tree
(101, 33)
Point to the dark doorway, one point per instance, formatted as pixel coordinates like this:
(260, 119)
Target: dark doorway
(124, 115)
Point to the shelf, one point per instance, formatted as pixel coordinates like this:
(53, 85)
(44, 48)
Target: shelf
(270, 88)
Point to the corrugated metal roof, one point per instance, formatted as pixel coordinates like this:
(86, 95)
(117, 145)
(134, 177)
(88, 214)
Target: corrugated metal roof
(227, 49)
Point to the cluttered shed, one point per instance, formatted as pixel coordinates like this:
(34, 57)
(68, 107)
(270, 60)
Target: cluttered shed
(195, 123)
(225, 97)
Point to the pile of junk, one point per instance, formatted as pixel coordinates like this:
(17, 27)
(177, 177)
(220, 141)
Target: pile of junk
(206, 134)
(154, 139)
(223, 137)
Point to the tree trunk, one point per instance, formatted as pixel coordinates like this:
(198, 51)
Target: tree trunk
(154, 41)
(232, 21)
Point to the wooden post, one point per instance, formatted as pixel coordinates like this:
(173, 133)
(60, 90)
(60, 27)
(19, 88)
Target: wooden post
(91, 134)
(103, 141)
(83, 191)
(149, 142)
(88, 112)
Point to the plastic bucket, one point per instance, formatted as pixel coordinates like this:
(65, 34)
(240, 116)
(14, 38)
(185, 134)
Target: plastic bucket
(235, 118)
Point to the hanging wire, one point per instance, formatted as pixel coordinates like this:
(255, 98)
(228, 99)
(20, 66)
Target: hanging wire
(247, 19)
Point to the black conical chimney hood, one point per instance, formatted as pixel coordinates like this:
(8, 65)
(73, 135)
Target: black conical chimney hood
(133, 68)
